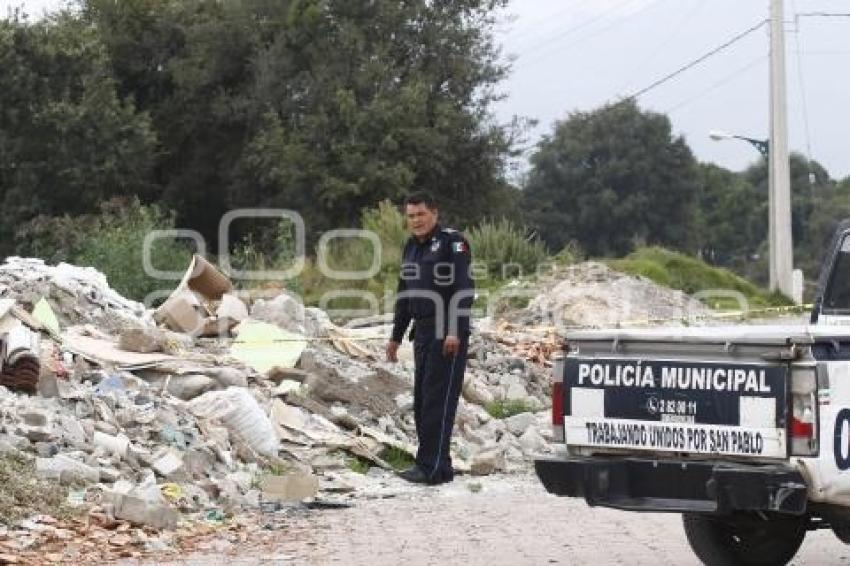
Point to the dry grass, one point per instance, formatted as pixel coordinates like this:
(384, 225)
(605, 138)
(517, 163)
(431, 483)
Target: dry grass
(23, 495)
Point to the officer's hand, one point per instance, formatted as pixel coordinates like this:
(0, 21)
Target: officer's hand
(392, 351)
(451, 346)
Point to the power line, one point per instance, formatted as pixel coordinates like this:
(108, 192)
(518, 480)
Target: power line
(567, 32)
(825, 52)
(728, 78)
(697, 61)
(530, 28)
(677, 29)
(821, 15)
(593, 34)
(802, 84)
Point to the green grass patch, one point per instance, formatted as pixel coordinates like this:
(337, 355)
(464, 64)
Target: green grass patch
(397, 458)
(691, 275)
(508, 408)
(358, 464)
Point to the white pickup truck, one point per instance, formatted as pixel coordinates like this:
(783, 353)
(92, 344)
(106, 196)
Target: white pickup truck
(745, 430)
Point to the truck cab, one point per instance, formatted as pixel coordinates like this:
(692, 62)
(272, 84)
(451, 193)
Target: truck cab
(744, 430)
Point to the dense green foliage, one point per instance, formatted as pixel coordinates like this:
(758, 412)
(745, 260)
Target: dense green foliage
(113, 243)
(67, 140)
(325, 107)
(336, 109)
(506, 249)
(611, 179)
(616, 179)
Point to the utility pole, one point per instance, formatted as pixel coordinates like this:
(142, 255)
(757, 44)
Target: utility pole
(780, 240)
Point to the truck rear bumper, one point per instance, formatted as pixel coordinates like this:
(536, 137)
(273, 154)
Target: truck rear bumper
(662, 485)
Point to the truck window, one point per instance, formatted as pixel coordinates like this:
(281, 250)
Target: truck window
(837, 296)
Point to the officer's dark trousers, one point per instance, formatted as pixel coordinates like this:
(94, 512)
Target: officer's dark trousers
(437, 385)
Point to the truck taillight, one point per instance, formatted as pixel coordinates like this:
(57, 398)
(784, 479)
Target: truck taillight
(558, 403)
(558, 399)
(803, 429)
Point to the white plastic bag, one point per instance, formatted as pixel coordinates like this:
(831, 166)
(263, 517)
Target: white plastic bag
(237, 409)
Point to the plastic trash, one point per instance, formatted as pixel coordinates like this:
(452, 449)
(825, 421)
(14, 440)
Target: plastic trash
(112, 383)
(118, 445)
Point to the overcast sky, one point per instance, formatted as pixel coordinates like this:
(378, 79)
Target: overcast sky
(578, 54)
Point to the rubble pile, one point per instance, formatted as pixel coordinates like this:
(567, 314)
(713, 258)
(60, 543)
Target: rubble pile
(146, 419)
(592, 295)
(77, 294)
(217, 403)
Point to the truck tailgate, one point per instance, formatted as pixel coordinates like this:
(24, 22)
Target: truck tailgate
(724, 408)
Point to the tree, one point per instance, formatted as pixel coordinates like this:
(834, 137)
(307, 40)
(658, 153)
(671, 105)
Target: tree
(613, 178)
(816, 206)
(67, 140)
(322, 106)
(731, 217)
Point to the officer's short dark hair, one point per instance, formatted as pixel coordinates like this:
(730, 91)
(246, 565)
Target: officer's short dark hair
(421, 197)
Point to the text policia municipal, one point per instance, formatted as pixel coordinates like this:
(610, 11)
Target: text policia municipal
(686, 378)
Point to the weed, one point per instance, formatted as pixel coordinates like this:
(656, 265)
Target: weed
(397, 458)
(22, 494)
(358, 464)
(508, 408)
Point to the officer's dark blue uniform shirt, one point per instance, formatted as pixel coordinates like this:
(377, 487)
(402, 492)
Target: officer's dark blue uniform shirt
(439, 264)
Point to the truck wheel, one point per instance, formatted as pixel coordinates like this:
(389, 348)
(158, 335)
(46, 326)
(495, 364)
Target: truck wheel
(744, 539)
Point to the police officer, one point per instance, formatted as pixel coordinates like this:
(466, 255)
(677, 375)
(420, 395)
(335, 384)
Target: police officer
(435, 292)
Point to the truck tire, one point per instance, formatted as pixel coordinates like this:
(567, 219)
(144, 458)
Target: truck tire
(744, 539)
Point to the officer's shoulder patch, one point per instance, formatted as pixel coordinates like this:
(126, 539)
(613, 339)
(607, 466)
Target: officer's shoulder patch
(460, 247)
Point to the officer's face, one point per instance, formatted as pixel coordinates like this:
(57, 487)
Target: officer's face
(420, 219)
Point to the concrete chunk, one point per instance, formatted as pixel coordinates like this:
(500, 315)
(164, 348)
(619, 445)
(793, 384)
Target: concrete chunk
(168, 464)
(140, 512)
(142, 340)
(488, 462)
(293, 487)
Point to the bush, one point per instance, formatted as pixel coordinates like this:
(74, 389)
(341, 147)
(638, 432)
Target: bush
(358, 254)
(111, 242)
(688, 274)
(277, 253)
(503, 244)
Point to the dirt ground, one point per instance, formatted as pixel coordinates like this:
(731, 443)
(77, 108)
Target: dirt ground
(494, 521)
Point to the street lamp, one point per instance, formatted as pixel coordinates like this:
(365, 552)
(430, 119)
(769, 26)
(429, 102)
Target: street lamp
(762, 145)
(792, 285)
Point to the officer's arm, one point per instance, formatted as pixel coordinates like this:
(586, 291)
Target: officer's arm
(402, 317)
(461, 259)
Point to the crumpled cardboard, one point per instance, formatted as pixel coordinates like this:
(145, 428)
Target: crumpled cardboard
(203, 303)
